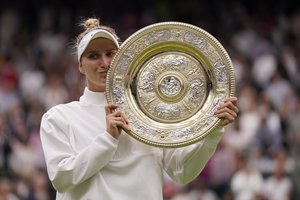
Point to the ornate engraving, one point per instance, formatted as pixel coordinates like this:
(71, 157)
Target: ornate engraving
(147, 81)
(195, 40)
(170, 86)
(197, 90)
(167, 111)
(179, 135)
(163, 89)
(220, 71)
(169, 78)
(159, 35)
(118, 94)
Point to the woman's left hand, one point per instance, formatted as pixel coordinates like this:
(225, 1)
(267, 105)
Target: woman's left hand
(227, 111)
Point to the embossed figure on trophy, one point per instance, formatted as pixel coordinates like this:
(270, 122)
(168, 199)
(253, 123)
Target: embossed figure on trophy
(170, 86)
(147, 81)
(167, 112)
(171, 73)
(173, 61)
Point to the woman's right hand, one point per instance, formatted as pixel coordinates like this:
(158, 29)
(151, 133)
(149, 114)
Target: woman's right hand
(115, 121)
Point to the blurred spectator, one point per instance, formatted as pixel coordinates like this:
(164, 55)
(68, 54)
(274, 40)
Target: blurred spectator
(268, 139)
(202, 192)
(24, 153)
(290, 61)
(278, 90)
(222, 168)
(246, 183)
(249, 114)
(294, 147)
(9, 26)
(278, 186)
(263, 69)
(31, 82)
(40, 187)
(54, 92)
(9, 95)
(197, 190)
(6, 190)
(5, 148)
(234, 138)
(241, 69)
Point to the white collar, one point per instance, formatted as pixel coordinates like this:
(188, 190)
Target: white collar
(90, 97)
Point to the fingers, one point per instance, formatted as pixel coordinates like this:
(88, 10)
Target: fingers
(119, 122)
(115, 120)
(226, 118)
(225, 122)
(126, 128)
(227, 111)
(119, 114)
(124, 122)
(109, 108)
(231, 103)
(118, 118)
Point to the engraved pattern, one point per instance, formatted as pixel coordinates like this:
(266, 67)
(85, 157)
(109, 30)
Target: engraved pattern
(220, 71)
(197, 90)
(119, 95)
(173, 61)
(195, 40)
(167, 111)
(160, 35)
(217, 101)
(182, 134)
(169, 86)
(148, 132)
(147, 80)
(172, 72)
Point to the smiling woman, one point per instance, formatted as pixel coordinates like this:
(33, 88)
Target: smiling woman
(88, 151)
(96, 48)
(95, 63)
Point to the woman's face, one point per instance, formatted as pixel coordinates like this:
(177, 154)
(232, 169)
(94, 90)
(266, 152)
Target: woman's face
(95, 62)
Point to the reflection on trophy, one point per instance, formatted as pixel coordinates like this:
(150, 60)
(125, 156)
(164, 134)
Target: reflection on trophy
(168, 78)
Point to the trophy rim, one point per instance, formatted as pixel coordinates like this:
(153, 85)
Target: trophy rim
(111, 79)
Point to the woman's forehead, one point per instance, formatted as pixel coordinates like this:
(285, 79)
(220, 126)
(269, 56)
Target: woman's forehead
(101, 43)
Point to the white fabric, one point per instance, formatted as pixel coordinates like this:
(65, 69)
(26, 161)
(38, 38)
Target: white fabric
(85, 162)
(277, 189)
(246, 184)
(98, 33)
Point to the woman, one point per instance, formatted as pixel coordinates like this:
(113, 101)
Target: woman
(87, 151)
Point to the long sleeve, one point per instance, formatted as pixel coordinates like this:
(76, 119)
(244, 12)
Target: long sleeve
(67, 167)
(184, 164)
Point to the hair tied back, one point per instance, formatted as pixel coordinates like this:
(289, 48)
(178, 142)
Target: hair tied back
(92, 23)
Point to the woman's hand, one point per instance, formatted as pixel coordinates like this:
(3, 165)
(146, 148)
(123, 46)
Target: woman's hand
(227, 111)
(115, 121)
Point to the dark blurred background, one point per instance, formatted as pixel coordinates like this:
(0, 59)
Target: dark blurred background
(259, 155)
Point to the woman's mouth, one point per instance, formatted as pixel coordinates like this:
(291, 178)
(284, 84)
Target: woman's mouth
(103, 73)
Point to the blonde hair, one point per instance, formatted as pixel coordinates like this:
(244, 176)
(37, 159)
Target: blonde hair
(91, 24)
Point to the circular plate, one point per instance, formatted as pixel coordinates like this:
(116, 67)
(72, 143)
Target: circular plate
(168, 78)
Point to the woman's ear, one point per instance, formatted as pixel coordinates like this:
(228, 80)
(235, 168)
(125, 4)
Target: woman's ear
(80, 67)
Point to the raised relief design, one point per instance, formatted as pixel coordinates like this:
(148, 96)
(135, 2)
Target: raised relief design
(169, 78)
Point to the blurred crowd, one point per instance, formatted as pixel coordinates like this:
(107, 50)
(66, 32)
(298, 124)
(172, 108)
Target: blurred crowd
(259, 155)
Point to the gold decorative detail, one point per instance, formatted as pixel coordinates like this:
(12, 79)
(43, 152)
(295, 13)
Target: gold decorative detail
(168, 78)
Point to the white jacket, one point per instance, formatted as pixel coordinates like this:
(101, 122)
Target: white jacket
(84, 162)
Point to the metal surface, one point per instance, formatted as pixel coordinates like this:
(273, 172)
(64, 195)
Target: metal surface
(168, 78)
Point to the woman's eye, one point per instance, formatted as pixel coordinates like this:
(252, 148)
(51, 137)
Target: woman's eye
(93, 56)
(111, 53)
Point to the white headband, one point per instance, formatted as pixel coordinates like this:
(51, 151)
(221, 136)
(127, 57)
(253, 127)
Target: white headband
(98, 33)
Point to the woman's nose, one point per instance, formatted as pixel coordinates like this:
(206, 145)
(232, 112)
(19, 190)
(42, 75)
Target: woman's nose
(104, 62)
